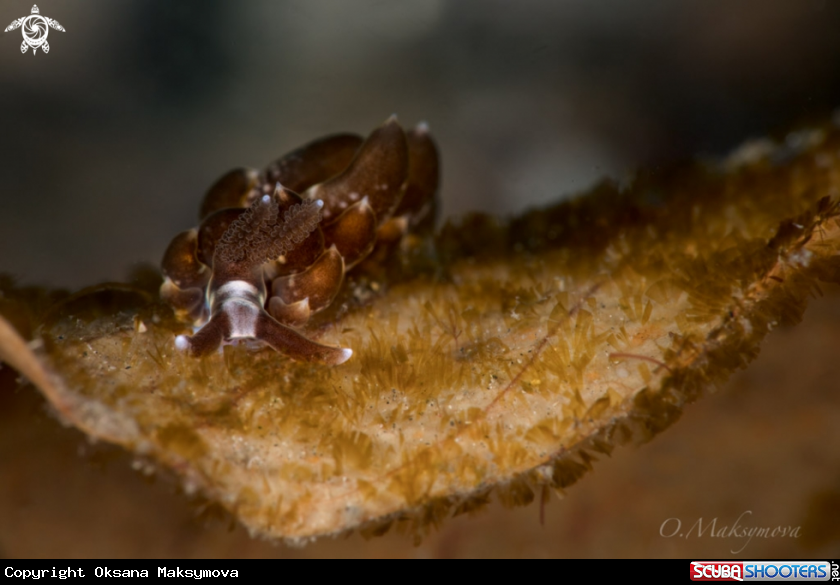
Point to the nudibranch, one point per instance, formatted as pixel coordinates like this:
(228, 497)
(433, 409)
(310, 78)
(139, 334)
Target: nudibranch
(273, 247)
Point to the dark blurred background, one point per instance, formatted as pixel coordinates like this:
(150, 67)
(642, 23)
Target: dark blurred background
(109, 141)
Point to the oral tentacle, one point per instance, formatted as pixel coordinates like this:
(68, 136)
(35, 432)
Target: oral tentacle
(208, 339)
(291, 343)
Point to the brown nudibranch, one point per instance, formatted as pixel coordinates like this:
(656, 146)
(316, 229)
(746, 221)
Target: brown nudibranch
(273, 247)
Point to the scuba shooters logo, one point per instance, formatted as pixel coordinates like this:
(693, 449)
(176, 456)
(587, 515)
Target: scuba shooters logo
(35, 29)
(797, 571)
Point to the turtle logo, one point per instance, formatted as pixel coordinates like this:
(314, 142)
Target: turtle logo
(35, 30)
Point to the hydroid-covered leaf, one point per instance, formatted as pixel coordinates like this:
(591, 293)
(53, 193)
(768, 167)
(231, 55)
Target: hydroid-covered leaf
(496, 356)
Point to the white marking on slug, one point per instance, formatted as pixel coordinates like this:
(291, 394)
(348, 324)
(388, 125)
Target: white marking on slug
(182, 343)
(243, 315)
(237, 288)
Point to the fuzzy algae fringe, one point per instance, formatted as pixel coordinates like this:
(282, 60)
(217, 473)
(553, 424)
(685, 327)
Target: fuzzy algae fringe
(496, 356)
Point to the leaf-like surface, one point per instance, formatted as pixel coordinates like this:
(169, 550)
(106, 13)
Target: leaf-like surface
(496, 356)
